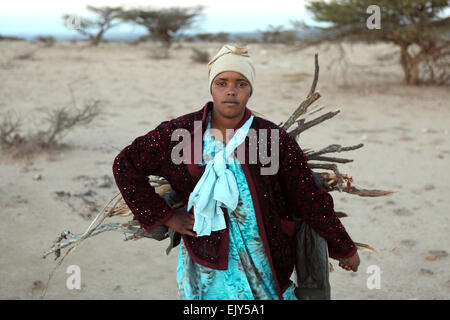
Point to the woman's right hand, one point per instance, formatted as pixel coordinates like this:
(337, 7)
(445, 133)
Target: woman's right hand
(182, 222)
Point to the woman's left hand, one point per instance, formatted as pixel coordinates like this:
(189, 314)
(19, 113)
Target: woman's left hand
(351, 263)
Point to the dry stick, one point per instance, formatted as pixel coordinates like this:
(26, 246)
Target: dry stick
(72, 238)
(367, 192)
(300, 110)
(316, 74)
(300, 122)
(303, 126)
(132, 227)
(84, 236)
(159, 181)
(329, 166)
(341, 214)
(312, 96)
(314, 110)
(329, 180)
(330, 159)
(364, 247)
(334, 148)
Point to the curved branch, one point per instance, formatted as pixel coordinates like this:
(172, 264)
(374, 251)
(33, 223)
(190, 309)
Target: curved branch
(304, 126)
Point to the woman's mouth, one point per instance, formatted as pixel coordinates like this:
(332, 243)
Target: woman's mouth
(231, 103)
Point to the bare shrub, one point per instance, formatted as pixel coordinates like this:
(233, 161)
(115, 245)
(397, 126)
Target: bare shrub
(57, 124)
(46, 41)
(62, 120)
(200, 56)
(9, 129)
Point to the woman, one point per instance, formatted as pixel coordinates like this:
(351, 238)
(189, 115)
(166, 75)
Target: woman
(238, 227)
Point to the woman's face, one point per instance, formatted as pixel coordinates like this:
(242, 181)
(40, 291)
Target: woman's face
(230, 91)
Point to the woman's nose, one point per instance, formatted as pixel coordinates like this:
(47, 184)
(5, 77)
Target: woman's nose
(231, 90)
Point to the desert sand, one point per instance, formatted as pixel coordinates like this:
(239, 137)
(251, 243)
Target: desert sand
(405, 132)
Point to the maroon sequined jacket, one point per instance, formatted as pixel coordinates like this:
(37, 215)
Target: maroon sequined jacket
(276, 198)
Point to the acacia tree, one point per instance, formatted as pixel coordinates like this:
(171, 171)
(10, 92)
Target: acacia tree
(164, 24)
(418, 27)
(107, 18)
(277, 34)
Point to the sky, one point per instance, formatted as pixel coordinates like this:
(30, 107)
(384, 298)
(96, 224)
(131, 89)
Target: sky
(44, 17)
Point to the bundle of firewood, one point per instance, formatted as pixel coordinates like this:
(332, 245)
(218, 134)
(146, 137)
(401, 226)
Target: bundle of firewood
(332, 181)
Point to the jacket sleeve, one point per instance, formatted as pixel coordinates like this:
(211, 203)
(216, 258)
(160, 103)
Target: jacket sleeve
(143, 157)
(312, 204)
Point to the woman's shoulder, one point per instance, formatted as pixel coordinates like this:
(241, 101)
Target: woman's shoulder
(185, 121)
(264, 123)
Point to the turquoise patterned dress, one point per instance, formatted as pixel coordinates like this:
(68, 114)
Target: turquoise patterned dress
(248, 275)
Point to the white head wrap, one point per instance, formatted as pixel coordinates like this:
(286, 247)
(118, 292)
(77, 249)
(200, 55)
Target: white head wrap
(232, 58)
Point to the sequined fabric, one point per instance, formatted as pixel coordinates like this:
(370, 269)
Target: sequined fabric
(277, 199)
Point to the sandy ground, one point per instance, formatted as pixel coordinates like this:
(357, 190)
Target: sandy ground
(405, 132)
